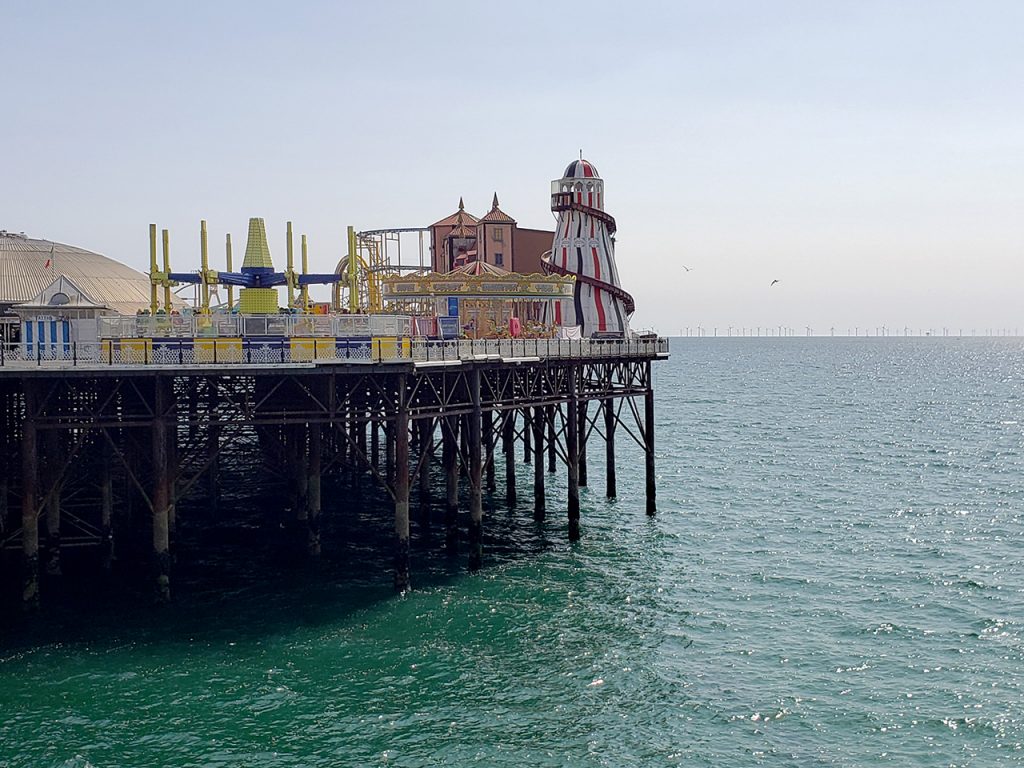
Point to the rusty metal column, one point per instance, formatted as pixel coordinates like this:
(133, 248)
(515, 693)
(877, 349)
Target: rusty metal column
(609, 447)
(161, 490)
(552, 439)
(29, 513)
(527, 431)
(476, 505)
(313, 468)
(426, 435)
(572, 454)
(492, 485)
(53, 453)
(106, 506)
(400, 430)
(583, 424)
(649, 440)
(508, 438)
(538, 421)
(449, 456)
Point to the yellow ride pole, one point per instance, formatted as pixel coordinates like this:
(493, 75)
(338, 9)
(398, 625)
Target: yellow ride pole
(152, 270)
(205, 261)
(304, 290)
(167, 270)
(231, 288)
(353, 273)
(290, 271)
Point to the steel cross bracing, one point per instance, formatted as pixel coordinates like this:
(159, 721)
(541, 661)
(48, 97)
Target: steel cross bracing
(100, 424)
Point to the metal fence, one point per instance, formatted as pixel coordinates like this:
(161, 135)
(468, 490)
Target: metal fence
(228, 325)
(229, 351)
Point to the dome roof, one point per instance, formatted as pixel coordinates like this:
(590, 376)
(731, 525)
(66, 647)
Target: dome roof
(581, 169)
(27, 266)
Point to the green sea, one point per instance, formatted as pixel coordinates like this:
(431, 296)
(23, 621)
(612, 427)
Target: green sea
(835, 577)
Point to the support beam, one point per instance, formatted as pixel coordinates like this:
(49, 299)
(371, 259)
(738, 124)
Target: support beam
(313, 501)
(508, 439)
(449, 456)
(476, 504)
(488, 428)
(582, 426)
(53, 469)
(572, 454)
(538, 422)
(106, 506)
(29, 511)
(426, 446)
(652, 506)
(609, 444)
(161, 496)
(552, 439)
(527, 433)
(400, 431)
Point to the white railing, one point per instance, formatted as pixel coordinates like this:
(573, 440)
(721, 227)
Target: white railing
(227, 325)
(228, 351)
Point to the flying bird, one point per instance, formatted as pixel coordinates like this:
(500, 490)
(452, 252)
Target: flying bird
(773, 283)
(688, 269)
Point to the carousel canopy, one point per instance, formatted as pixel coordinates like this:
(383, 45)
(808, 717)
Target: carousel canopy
(478, 280)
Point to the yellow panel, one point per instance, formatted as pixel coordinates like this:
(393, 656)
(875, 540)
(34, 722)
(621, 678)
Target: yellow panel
(257, 301)
(390, 348)
(218, 350)
(303, 349)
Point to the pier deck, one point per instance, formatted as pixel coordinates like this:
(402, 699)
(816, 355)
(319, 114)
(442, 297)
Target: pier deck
(142, 434)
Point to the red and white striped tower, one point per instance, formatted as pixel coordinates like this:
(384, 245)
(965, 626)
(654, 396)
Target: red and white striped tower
(584, 247)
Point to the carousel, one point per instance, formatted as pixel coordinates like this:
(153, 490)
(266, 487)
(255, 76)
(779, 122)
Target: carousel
(480, 301)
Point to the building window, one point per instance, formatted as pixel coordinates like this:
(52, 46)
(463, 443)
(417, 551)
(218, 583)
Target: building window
(498, 235)
(499, 260)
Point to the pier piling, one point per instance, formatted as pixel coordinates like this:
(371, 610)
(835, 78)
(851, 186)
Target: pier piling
(609, 443)
(29, 511)
(572, 452)
(652, 506)
(476, 509)
(400, 431)
(538, 422)
(449, 460)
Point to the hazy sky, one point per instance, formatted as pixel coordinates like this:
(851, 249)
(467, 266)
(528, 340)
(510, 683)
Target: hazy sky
(869, 155)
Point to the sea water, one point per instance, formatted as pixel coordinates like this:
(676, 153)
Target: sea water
(835, 577)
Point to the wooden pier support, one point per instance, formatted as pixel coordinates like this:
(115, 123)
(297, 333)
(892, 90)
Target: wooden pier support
(161, 495)
(449, 461)
(572, 453)
(652, 506)
(400, 433)
(29, 511)
(508, 439)
(538, 421)
(476, 506)
(609, 447)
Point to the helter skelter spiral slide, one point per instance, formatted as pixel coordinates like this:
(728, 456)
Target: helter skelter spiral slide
(584, 248)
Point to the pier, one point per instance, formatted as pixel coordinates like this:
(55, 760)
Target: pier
(129, 431)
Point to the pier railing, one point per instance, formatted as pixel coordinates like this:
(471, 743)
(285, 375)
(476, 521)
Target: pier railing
(218, 351)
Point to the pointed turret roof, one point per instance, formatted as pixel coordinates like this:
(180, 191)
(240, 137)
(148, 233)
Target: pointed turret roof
(496, 215)
(450, 221)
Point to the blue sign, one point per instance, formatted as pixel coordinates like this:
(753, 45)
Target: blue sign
(453, 306)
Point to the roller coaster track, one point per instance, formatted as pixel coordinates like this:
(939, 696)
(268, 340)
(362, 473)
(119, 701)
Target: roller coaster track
(563, 201)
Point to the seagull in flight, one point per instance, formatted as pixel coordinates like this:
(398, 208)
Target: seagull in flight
(773, 283)
(688, 269)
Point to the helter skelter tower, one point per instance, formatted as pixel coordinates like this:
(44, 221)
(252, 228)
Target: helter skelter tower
(584, 247)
